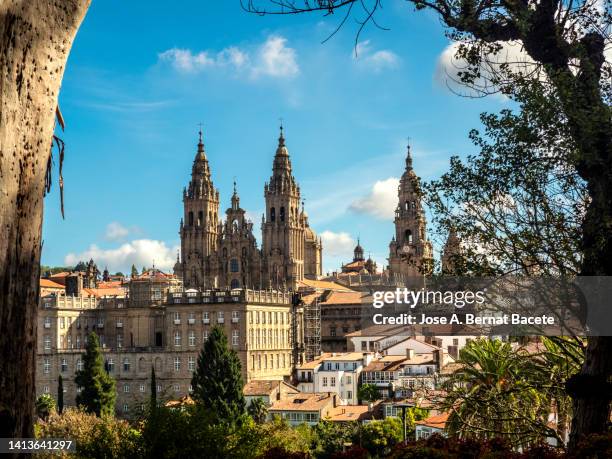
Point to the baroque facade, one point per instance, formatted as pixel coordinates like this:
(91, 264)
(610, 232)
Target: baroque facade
(224, 254)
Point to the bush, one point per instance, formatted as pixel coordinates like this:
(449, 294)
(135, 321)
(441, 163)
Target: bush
(95, 438)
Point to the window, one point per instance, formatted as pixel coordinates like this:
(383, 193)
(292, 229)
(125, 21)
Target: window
(235, 337)
(192, 338)
(349, 394)
(62, 322)
(191, 319)
(126, 388)
(119, 341)
(273, 214)
(47, 341)
(177, 338)
(126, 364)
(125, 408)
(282, 214)
(110, 365)
(200, 218)
(333, 381)
(177, 318)
(142, 388)
(332, 331)
(191, 363)
(408, 236)
(235, 283)
(349, 380)
(64, 366)
(159, 388)
(47, 322)
(220, 317)
(205, 317)
(176, 387)
(46, 366)
(190, 218)
(79, 365)
(235, 316)
(177, 363)
(364, 345)
(234, 265)
(46, 389)
(324, 381)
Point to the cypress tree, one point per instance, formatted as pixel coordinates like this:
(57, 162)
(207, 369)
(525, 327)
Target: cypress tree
(153, 401)
(134, 272)
(217, 382)
(97, 386)
(60, 394)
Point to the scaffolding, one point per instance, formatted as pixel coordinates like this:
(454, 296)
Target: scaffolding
(312, 330)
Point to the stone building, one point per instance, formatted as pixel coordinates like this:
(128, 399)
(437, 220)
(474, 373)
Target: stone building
(155, 323)
(410, 251)
(225, 254)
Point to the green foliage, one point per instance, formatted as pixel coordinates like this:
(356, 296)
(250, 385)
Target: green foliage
(45, 405)
(331, 437)
(517, 198)
(497, 392)
(378, 437)
(80, 266)
(258, 410)
(97, 386)
(47, 270)
(368, 393)
(95, 437)
(60, 394)
(133, 272)
(217, 382)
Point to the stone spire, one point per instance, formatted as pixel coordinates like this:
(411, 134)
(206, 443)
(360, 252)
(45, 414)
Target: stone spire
(282, 163)
(408, 158)
(201, 183)
(235, 198)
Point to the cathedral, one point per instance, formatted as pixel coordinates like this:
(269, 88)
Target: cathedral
(223, 253)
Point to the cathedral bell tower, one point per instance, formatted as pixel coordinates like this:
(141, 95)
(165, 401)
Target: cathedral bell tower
(410, 252)
(199, 226)
(283, 225)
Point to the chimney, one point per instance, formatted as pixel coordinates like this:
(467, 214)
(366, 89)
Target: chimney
(438, 355)
(334, 400)
(410, 353)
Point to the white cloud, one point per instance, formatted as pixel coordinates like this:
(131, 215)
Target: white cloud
(375, 60)
(276, 59)
(380, 202)
(337, 244)
(273, 58)
(115, 231)
(140, 252)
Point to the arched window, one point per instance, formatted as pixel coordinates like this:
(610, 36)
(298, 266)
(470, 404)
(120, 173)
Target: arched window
(406, 205)
(273, 214)
(234, 265)
(190, 218)
(200, 218)
(282, 214)
(235, 283)
(408, 236)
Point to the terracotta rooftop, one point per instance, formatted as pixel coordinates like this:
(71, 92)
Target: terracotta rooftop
(303, 402)
(378, 331)
(345, 298)
(46, 283)
(323, 285)
(345, 413)
(101, 292)
(263, 387)
(438, 421)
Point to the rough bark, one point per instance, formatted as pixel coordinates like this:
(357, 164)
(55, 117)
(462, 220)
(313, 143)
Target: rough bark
(35, 39)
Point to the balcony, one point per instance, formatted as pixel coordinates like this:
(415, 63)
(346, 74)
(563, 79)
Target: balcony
(205, 321)
(100, 325)
(220, 320)
(119, 324)
(235, 320)
(47, 324)
(177, 321)
(191, 321)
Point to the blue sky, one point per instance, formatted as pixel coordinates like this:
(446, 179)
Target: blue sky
(142, 75)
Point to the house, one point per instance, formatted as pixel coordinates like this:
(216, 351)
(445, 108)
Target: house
(268, 390)
(48, 287)
(432, 425)
(304, 408)
(332, 372)
(429, 400)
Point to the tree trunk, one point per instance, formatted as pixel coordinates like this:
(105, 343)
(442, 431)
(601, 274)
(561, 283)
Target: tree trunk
(35, 39)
